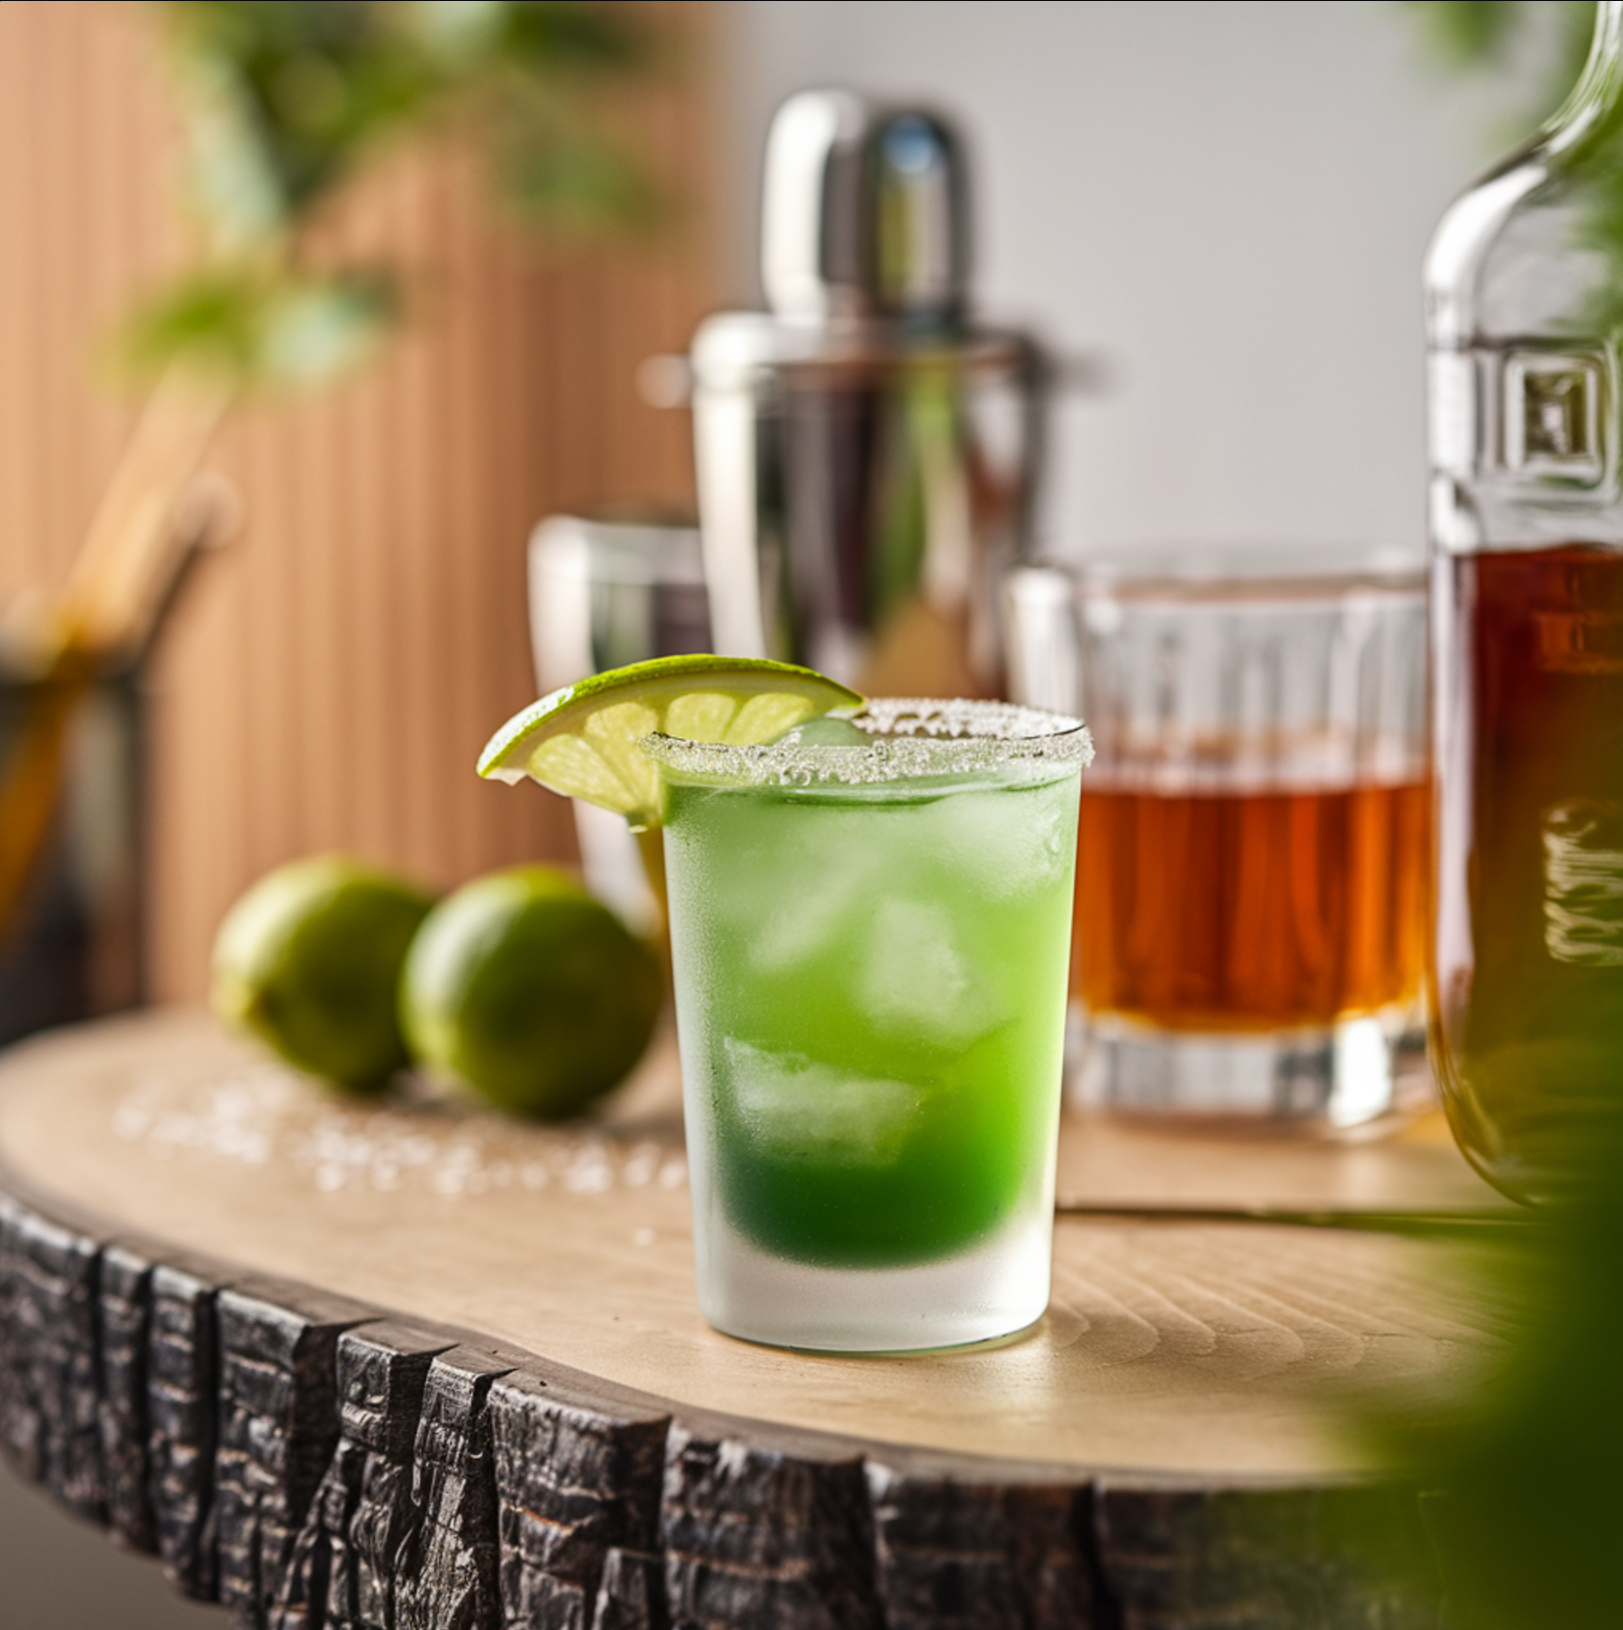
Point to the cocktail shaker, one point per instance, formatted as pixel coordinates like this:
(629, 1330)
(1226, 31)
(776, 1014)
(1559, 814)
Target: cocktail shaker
(867, 455)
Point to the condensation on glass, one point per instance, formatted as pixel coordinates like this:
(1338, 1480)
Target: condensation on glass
(869, 926)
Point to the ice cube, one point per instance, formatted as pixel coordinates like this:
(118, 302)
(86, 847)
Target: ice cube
(915, 981)
(1006, 842)
(826, 731)
(795, 1105)
(801, 922)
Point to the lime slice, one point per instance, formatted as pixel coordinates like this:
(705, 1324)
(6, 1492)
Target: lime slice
(585, 740)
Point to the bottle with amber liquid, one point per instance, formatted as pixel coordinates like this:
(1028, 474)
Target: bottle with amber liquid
(1524, 304)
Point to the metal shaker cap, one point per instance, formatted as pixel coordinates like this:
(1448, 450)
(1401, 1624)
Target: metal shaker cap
(813, 250)
(917, 210)
(863, 212)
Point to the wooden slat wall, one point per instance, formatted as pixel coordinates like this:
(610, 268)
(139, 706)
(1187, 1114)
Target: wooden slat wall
(334, 673)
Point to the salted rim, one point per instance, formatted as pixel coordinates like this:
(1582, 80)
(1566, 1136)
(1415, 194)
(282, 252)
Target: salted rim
(914, 736)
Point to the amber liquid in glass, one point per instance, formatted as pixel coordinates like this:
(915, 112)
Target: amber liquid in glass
(1528, 972)
(1210, 911)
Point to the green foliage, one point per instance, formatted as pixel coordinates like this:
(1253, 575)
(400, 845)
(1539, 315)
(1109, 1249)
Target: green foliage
(572, 181)
(280, 326)
(1478, 34)
(283, 100)
(1524, 1504)
(1467, 31)
(1475, 32)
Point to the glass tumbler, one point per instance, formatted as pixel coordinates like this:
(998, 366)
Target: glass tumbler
(869, 928)
(1253, 845)
(605, 593)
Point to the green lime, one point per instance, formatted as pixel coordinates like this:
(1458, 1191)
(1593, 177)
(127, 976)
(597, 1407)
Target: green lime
(584, 739)
(523, 986)
(309, 961)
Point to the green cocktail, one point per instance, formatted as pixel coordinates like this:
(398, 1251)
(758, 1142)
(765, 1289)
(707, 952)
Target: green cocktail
(870, 942)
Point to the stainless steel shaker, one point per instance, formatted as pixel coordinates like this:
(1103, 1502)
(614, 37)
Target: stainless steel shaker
(867, 455)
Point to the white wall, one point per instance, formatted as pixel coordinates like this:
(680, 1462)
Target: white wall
(1230, 200)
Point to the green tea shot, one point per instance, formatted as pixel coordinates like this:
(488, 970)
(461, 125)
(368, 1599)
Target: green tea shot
(870, 918)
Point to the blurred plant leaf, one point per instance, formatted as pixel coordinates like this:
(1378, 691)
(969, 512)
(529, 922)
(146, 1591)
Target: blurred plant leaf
(1474, 33)
(580, 183)
(535, 33)
(282, 100)
(1524, 1504)
(1468, 31)
(1500, 34)
(289, 93)
(312, 332)
(279, 329)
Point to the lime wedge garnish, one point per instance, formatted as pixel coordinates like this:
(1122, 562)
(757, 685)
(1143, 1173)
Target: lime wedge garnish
(584, 740)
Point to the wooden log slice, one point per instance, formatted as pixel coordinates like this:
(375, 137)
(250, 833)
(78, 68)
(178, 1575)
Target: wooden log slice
(360, 1366)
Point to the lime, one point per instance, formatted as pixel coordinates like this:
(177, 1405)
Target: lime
(584, 739)
(309, 961)
(524, 987)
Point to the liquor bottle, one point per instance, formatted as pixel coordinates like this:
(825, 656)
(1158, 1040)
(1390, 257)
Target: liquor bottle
(1524, 310)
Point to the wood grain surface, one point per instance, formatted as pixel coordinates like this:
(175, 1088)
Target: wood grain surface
(240, 1320)
(331, 676)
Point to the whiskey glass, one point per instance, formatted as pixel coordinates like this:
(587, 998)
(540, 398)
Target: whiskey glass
(1253, 849)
